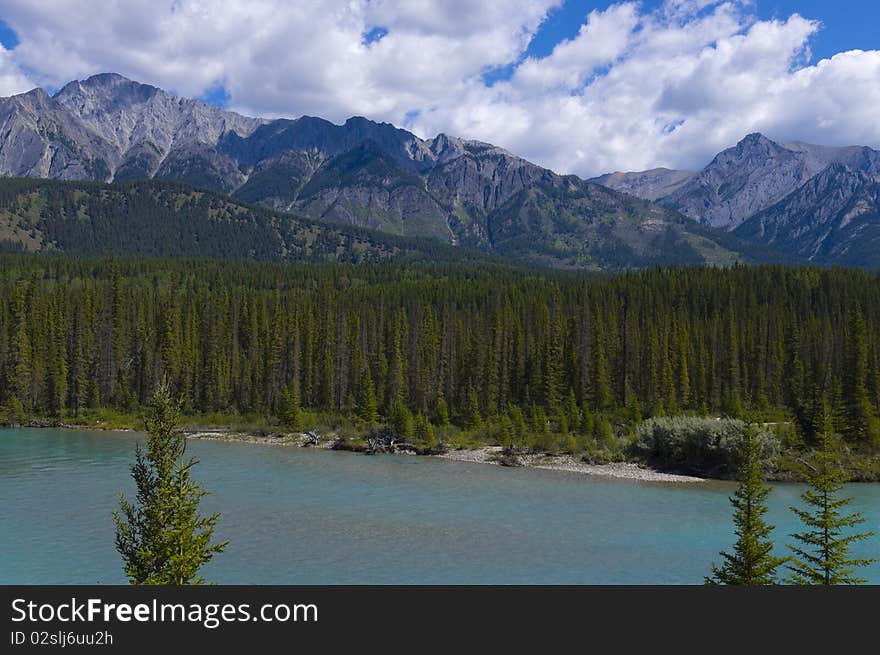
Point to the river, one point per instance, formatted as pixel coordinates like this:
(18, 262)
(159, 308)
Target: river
(302, 516)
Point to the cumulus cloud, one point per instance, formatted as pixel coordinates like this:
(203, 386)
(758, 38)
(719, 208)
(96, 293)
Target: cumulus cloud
(12, 80)
(634, 88)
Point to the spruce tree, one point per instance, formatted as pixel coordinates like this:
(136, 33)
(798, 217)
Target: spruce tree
(860, 425)
(473, 418)
(752, 561)
(442, 412)
(291, 412)
(423, 434)
(822, 556)
(161, 536)
(601, 382)
(367, 405)
(401, 421)
(505, 433)
(520, 433)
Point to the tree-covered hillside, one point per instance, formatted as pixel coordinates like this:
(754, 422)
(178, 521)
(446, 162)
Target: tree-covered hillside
(486, 349)
(170, 219)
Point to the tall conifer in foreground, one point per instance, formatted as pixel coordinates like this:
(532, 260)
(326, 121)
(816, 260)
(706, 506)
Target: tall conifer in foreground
(752, 562)
(822, 556)
(161, 536)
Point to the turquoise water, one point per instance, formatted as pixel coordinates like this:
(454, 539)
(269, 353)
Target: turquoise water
(300, 516)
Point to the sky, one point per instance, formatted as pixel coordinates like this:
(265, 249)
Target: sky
(580, 86)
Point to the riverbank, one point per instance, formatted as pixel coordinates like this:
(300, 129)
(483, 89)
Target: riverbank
(788, 466)
(621, 470)
(492, 455)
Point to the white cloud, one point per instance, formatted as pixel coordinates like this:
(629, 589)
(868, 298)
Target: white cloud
(12, 80)
(633, 89)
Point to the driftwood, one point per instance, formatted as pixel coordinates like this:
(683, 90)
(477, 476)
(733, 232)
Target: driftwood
(386, 441)
(312, 438)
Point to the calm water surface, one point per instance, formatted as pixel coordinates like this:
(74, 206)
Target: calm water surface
(299, 516)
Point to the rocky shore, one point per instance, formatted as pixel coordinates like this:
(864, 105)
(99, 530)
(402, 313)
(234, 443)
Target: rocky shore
(621, 470)
(486, 455)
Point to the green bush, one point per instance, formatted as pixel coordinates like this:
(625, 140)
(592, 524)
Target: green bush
(697, 445)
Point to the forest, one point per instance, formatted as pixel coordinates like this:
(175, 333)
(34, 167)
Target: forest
(542, 360)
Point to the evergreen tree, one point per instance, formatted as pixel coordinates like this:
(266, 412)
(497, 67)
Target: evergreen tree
(367, 405)
(822, 556)
(473, 419)
(860, 425)
(505, 432)
(291, 412)
(520, 432)
(19, 369)
(603, 434)
(442, 412)
(401, 421)
(752, 562)
(601, 386)
(423, 434)
(161, 536)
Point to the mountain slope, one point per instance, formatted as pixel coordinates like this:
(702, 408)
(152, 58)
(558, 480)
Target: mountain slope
(833, 218)
(171, 219)
(809, 201)
(649, 185)
(110, 128)
(360, 173)
(743, 180)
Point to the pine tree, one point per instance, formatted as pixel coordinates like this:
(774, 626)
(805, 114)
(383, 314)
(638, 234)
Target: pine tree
(291, 411)
(752, 562)
(20, 355)
(601, 381)
(367, 405)
(473, 419)
(401, 421)
(823, 554)
(162, 538)
(442, 412)
(505, 432)
(521, 436)
(860, 425)
(423, 434)
(603, 434)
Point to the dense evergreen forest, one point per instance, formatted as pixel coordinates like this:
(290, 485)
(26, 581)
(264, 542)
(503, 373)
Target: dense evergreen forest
(547, 359)
(156, 218)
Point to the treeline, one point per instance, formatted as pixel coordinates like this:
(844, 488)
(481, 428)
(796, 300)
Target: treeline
(160, 218)
(481, 348)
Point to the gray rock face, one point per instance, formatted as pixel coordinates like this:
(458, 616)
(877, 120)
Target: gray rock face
(107, 128)
(375, 175)
(650, 185)
(741, 181)
(833, 218)
(813, 202)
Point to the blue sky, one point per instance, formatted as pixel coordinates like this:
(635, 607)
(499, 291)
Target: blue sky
(8, 38)
(585, 87)
(847, 24)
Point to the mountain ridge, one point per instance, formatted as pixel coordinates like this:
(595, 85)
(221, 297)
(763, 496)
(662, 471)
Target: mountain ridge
(360, 173)
(761, 189)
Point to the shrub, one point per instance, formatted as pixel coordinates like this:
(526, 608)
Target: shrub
(699, 445)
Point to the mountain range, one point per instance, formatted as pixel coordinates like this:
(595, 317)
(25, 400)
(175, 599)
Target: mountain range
(817, 203)
(362, 174)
